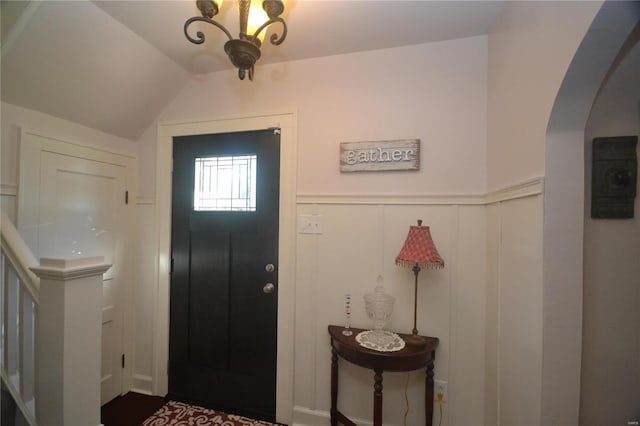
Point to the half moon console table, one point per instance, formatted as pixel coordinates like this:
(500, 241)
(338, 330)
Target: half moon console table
(408, 359)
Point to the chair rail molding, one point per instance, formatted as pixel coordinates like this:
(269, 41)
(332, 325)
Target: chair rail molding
(526, 188)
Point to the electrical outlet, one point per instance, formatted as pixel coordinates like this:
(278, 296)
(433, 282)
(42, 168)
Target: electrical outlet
(440, 386)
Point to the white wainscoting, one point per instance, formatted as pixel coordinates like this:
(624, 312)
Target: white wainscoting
(491, 247)
(514, 312)
(145, 302)
(360, 242)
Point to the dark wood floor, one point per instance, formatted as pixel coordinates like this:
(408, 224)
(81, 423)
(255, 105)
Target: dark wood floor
(130, 409)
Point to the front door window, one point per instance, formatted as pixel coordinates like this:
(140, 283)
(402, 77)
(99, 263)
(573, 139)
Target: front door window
(225, 183)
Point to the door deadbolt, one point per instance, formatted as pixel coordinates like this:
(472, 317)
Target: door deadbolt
(268, 288)
(270, 267)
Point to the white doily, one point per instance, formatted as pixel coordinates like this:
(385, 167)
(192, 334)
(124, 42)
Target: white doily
(380, 340)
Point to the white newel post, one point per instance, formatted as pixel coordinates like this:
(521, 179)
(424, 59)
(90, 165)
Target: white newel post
(69, 333)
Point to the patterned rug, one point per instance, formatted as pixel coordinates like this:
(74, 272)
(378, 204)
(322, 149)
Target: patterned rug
(180, 414)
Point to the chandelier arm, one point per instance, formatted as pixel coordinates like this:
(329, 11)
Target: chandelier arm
(275, 39)
(200, 34)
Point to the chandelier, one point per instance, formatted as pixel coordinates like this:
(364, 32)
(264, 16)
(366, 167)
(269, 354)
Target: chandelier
(243, 51)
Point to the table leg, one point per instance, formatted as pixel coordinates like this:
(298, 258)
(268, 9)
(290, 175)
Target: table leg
(377, 398)
(428, 392)
(334, 387)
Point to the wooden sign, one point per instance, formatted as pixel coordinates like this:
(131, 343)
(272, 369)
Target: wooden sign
(380, 156)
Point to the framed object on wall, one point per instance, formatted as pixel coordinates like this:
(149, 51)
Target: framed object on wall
(380, 156)
(614, 177)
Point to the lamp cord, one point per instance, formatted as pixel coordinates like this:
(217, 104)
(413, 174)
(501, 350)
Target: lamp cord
(440, 397)
(406, 400)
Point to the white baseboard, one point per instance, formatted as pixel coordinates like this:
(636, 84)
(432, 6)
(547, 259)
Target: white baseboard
(306, 417)
(142, 384)
(303, 416)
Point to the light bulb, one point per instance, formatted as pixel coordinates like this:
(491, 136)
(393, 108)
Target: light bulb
(257, 17)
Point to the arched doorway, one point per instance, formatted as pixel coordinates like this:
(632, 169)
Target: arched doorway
(564, 209)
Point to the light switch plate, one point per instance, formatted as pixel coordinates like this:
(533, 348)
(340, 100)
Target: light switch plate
(309, 224)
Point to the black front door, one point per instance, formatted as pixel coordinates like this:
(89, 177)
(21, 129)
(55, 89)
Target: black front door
(224, 280)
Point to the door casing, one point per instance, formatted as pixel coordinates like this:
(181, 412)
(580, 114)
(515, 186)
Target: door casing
(287, 123)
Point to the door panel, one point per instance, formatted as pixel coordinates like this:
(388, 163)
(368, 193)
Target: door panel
(223, 327)
(76, 199)
(209, 266)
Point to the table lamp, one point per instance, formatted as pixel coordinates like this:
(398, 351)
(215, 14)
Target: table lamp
(418, 252)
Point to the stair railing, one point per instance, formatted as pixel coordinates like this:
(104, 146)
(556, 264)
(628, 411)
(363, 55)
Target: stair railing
(19, 307)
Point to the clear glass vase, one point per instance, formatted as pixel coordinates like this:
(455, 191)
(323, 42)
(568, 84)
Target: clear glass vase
(379, 306)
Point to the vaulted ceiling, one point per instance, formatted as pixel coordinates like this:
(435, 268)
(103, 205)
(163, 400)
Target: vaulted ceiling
(114, 65)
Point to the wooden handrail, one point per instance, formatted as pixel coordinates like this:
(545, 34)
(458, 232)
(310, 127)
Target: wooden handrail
(20, 327)
(20, 256)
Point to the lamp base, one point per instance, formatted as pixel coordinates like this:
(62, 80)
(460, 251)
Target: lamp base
(415, 340)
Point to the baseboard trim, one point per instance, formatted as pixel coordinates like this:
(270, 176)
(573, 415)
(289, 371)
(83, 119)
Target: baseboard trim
(303, 416)
(306, 417)
(142, 384)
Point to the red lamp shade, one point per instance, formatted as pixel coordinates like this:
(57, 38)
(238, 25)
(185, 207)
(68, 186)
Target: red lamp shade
(419, 249)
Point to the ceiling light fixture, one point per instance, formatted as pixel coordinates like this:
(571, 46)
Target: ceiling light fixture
(243, 51)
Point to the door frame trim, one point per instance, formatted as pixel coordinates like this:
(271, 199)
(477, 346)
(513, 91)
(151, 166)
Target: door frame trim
(287, 122)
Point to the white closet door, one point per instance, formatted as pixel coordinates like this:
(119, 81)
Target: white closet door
(81, 204)
(72, 204)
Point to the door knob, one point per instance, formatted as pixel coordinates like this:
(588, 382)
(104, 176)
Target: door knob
(268, 288)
